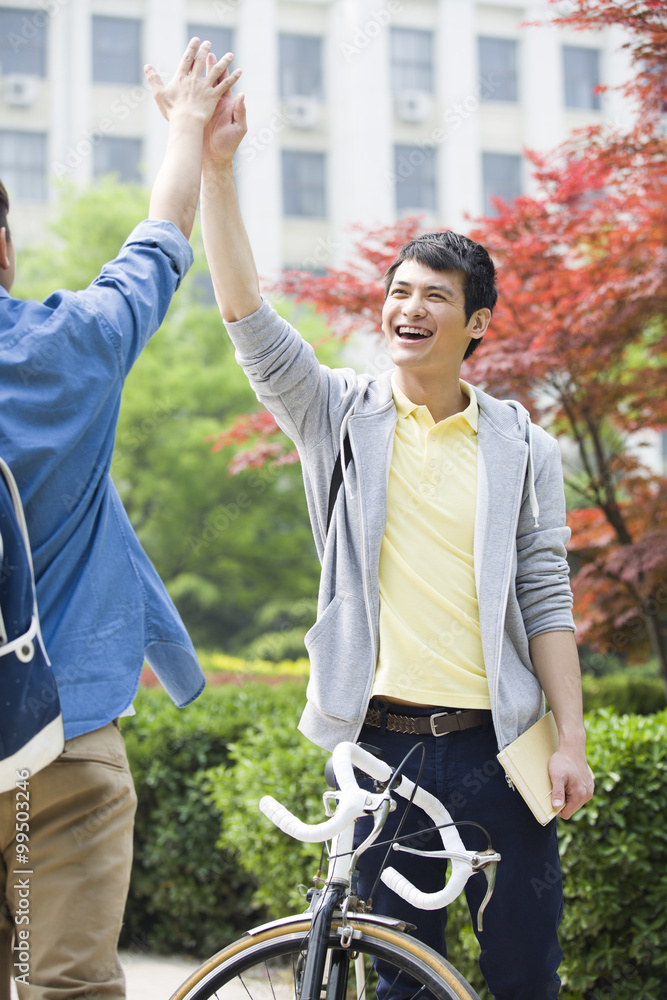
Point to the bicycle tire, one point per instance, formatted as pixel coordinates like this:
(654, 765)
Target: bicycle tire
(263, 964)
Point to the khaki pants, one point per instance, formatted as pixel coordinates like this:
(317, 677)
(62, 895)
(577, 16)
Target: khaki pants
(65, 917)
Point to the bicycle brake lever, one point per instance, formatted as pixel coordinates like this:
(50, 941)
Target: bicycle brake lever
(486, 861)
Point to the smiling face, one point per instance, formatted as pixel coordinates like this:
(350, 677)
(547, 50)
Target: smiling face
(424, 322)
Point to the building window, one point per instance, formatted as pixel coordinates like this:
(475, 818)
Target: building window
(501, 174)
(116, 50)
(415, 169)
(411, 59)
(303, 184)
(23, 41)
(221, 39)
(498, 69)
(300, 66)
(581, 70)
(23, 165)
(120, 156)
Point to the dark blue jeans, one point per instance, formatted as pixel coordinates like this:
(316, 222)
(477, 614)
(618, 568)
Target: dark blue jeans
(520, 953)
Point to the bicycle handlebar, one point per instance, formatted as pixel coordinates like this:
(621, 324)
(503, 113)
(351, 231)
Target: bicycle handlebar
(354, 802)
(314, 833)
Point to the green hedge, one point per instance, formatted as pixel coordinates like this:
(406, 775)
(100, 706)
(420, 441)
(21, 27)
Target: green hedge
(614, 859)
(277, 761)
(625, 693)
(202, 771)
(614, 862)
(186, 894)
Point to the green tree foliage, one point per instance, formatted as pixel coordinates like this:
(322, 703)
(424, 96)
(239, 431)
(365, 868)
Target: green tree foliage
(88, 229)
(225, 546)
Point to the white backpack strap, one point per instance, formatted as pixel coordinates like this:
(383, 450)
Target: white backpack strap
(34, 631)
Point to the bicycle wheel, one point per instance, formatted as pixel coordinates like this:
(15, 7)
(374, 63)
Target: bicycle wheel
(266, 964)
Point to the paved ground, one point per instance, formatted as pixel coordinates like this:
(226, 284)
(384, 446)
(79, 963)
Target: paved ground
(151, 977)
(154, 977)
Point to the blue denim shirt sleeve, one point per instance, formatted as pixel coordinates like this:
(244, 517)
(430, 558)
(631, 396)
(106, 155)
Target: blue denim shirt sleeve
(131, 295)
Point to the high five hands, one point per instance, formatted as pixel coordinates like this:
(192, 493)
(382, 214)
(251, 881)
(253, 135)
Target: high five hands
(197, 86)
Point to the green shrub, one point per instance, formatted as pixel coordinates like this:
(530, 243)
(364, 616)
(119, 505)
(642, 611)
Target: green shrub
(273, 760)
(625, 692)
(186, 894)
(614, 859)
(614, 862)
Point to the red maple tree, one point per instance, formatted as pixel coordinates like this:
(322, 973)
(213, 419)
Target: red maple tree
(579, 334)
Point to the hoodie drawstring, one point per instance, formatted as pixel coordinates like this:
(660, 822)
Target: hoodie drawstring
(532, 495)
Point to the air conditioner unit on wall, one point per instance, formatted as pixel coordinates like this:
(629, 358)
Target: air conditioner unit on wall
(302, 111)
(20, 90)
(413, 106)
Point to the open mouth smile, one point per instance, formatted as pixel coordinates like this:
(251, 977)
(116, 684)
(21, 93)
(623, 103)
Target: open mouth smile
(412, 333)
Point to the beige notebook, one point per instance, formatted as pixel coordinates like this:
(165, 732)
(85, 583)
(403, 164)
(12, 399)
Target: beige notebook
(526, 762)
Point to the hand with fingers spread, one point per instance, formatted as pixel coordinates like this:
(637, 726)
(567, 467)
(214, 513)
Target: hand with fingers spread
(189, 92)
(188, 102)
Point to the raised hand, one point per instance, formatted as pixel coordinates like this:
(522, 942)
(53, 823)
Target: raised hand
(227, 126)
(188, 92)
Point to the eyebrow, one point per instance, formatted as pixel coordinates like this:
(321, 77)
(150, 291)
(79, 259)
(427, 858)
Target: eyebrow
(440, 288)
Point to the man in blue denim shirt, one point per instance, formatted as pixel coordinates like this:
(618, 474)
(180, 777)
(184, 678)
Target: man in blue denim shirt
(102, 605)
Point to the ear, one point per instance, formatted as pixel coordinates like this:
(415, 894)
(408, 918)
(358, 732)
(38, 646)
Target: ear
(479, 323)
(4, 256)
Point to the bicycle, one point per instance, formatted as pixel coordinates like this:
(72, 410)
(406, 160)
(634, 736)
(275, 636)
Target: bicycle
(308, 956)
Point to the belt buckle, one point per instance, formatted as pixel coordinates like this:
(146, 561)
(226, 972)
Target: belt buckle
(433, 718)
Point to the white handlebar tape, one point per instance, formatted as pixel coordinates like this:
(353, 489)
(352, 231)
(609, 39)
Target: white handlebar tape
(314, 833)
(451, 841)
(351, 803)
(347, 756)
(428, 900)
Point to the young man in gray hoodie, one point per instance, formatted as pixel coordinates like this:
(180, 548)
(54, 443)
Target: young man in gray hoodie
(444, 610)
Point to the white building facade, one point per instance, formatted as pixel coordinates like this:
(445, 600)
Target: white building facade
(360, 111)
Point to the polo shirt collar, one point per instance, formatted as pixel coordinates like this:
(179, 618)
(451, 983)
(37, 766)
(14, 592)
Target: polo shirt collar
(405, 406)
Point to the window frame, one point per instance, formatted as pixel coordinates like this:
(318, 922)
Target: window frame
(295, 188)
(132, 72)
(592, 100)
(509, 77)
(403, 67)
(487, 206)
(135, 176)
(428, 181)
(205, 31)
(315, 88)
(29, 45)
(15, 175)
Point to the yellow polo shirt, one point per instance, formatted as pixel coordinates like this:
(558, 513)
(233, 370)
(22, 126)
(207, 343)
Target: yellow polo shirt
(430, 645)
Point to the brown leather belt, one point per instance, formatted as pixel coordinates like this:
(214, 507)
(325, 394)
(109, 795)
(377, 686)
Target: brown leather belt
(438, 724)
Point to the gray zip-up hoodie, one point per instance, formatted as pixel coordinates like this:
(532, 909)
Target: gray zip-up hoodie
(520, 562)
